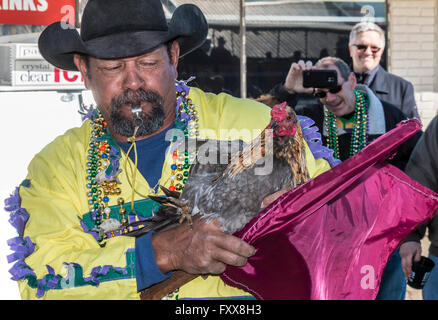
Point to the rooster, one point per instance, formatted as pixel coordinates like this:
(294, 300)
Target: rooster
(233, 192)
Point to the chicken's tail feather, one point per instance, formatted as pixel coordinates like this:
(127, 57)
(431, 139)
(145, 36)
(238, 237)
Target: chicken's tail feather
(247, 157)
(169, 193)
(295, 155)
(164, 219)
(169, 215)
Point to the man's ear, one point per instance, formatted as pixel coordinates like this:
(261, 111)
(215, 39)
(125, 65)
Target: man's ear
(350, 49)
(352, 79)
(82, 67)
(175, 50)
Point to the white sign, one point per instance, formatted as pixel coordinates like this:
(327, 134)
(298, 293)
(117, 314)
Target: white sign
(42, 73)
(28, 51)
(25, 69)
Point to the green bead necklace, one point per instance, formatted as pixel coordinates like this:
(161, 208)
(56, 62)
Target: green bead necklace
(359, 135)
(104, 154)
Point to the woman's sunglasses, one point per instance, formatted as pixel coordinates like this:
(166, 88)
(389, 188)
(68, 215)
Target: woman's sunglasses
(323, 94)
(364, 48)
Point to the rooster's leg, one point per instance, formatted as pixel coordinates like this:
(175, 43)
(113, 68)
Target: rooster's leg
(184, 212)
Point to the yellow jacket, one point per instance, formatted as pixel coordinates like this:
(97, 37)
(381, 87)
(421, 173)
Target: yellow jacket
(66, 261)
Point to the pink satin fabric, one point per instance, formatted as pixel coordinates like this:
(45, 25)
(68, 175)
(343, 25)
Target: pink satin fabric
(332, 237)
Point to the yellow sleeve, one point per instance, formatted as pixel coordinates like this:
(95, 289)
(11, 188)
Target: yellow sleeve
(66, 262)
(315, 166)
(225, 117)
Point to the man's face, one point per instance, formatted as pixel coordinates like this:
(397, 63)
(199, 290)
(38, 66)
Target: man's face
(119, 85)
(366, 51)
(342, 102)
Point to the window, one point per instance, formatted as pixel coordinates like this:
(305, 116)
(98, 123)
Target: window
(277, 33)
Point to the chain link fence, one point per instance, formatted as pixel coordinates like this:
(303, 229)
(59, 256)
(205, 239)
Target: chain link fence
(278, 32)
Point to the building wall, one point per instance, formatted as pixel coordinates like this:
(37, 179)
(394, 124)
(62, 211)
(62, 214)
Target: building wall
(412, 50)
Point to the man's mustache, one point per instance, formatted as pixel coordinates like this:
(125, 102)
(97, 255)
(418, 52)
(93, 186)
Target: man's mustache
(135, 98)
(151, 121)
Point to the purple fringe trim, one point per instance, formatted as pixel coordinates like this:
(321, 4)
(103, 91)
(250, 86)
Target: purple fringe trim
(20, 270)
(18, 220)
(181, 85)
(86, 230)
(23, 247)
(314, 141)
(103, 271)
(89, 113)
(19, 216)
(115, 156)
(13, 202)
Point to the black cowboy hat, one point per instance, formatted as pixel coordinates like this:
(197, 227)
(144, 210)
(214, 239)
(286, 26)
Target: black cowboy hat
(113, 29)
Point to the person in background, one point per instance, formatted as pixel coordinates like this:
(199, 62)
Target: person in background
(423, 167)
(349, 116)
(366, 46)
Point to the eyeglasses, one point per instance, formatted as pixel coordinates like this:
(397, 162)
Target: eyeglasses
(363, 47)
(323, 94)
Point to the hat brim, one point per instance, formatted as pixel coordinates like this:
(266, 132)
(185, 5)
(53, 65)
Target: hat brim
(59, 42)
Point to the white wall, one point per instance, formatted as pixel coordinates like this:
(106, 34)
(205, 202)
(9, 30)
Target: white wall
(28, 121)
(413, 48)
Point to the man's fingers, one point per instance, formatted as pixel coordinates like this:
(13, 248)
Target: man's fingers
(217, 247)
(295, 66)
(302, 64)
(409, 251)
(214, 267)
(417, 256)
(235, 245)
(231, 250)
(309, 64)
(407, 266)
(229, 258)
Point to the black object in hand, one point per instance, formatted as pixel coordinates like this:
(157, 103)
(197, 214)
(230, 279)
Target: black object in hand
(420, 272)
(325, 79)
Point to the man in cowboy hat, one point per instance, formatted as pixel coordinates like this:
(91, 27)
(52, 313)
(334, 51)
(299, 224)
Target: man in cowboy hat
(84, 187)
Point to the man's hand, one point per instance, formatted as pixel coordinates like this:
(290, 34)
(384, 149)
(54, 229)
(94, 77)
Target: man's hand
(204, 249)
(409, 250)
(294, 78)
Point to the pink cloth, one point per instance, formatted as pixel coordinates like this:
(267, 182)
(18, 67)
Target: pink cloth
(332, 237)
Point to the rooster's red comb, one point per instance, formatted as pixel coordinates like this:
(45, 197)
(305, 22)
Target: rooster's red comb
(279, 112)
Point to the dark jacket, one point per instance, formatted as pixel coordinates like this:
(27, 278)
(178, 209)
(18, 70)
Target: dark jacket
(396, 91)
(313, 108)
(423, 167)
(392, 116)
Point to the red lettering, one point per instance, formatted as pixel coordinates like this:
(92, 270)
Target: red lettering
(72, 79)
(56, 74)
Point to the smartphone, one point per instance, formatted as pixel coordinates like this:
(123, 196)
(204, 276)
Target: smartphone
(320, 79)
